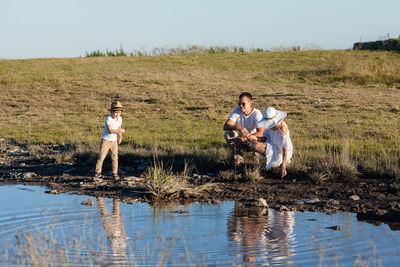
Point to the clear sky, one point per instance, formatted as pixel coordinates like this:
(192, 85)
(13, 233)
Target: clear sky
(69, 28)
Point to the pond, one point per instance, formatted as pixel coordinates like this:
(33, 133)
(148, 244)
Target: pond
(40, 228)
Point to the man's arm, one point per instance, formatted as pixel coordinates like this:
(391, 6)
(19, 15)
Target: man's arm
(230, 125)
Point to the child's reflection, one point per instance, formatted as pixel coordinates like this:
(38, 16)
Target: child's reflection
(114, 229)
(263, 235)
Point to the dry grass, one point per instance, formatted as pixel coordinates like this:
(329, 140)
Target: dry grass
(318, 177)
(162, 182)
(178, 104)
(40, 248)
(252, 174)
(227, 174)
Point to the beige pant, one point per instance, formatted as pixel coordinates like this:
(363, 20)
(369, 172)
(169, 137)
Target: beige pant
(104, 148)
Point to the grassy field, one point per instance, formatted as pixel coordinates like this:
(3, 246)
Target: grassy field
(343, 106)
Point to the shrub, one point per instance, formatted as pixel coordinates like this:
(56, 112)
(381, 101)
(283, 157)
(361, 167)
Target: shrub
(162, 182)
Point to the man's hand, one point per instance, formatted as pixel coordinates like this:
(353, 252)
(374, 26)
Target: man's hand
(244, 131)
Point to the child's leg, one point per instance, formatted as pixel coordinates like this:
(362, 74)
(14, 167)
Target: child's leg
(114, 157)
(104, 147)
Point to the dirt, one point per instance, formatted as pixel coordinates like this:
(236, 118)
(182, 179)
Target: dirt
(375, 200)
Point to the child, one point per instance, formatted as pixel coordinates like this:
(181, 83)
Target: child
(112, 137)
(278, 148)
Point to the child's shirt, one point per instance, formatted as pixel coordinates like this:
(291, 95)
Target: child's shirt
(115, 124)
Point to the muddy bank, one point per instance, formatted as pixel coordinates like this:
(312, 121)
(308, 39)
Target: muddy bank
(373, 200)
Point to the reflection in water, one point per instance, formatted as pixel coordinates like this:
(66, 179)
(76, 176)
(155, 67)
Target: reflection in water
(115, 232)
(64, 233)
(262, 235)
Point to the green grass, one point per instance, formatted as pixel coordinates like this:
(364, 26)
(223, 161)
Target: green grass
(179, 103)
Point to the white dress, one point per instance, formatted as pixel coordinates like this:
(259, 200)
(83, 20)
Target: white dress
(276, 140)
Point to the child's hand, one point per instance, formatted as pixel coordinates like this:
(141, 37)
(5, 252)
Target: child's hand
(122, 130)
(283, 170)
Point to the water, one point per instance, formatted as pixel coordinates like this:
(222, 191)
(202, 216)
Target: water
(40, 228)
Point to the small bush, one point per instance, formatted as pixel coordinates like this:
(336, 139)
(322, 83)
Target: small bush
(252, 174)
(340, 165)
(162, 182)
(227, 175)
(318, 177)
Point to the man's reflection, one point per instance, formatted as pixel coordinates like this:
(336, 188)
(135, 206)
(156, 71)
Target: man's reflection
(262, 235)
(114, 229)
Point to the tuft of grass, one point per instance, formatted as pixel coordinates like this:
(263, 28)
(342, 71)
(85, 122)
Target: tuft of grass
(318, 177)
(162, 182)
(252, 174)
(227, 174)
(107, 53)
(395, 186)
(341, 166)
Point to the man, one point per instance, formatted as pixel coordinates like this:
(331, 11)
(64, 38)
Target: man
(241, 124)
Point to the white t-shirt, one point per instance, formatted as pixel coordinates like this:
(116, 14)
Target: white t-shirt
(249, 122)
(115, 124)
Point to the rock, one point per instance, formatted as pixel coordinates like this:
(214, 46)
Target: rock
(88, 203)
(132, 201)
(283, 208)
(332, 202)
(79, 184)
(53, 192)
(215, 202)
(299, 202)
(14, 175)
(28, 175)
(131, 178)
(22, 164)
(262, 203)
(335, 227)
(179, 211)
(354, 197)
(381, 212)
(311, 201)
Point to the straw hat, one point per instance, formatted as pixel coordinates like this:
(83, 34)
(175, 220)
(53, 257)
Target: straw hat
(116, 105)
(271, 117)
